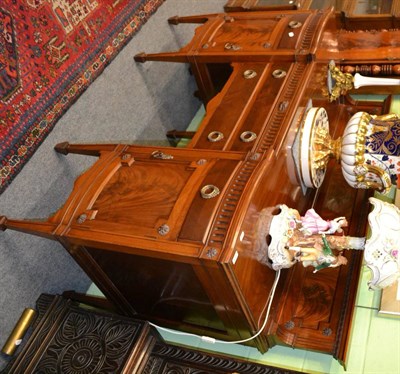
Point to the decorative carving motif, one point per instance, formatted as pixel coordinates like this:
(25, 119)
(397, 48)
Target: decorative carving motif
(176, 360)
(255, 156)
(283, 105)
(277, 116)
(309, 31)
(79, 341)
(227, 208)
(87, 344)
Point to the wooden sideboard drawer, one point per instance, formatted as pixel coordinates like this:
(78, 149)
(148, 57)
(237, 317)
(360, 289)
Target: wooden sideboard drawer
(242, 109)
(202, 210)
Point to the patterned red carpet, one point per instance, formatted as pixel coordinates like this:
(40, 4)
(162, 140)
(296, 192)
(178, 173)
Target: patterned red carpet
(50, 51)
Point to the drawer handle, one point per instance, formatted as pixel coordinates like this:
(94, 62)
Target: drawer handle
(295, 24)
(215, 136)
(209, 191)
(249, 74)
(248, 136)
(279, 73)
(232, 47)
(161, 155)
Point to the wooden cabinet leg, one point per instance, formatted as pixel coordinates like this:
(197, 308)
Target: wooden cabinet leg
(84, 149)
(39, 228)
(175, 20)
(163, 56)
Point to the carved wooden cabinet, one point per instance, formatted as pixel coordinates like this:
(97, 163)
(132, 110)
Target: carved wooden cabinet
(71, 338)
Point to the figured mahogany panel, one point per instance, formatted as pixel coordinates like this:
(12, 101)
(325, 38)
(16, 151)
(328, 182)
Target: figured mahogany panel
(142, 194)
(245, 33)
(362, 46)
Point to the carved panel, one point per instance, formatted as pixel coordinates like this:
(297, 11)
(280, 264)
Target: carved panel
(279, 111)
(168, 359)
(72, 340)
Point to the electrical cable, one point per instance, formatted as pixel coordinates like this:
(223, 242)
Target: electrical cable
(208, 339)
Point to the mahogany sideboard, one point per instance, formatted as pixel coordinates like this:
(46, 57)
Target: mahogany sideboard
(172, 235)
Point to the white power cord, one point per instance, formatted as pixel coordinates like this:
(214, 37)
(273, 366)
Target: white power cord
(210, 340)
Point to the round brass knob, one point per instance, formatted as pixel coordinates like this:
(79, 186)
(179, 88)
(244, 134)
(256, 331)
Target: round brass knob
(279, 73)
(248, 136)
(295, 24)
(249, 74)
(209, 191)
(215, 136)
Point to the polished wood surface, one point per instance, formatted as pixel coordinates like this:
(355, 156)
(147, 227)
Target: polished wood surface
(173, 234)
(354, 14)
(292, 36)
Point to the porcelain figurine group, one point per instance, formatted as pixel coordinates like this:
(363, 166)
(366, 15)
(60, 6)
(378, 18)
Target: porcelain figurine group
(309, 239)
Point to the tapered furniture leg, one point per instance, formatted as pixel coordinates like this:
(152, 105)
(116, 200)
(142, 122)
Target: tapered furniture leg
(84, 149)
(175, 20)
(39, 228)
(163, 56)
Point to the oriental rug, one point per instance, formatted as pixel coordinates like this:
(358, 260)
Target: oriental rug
(50, 52)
